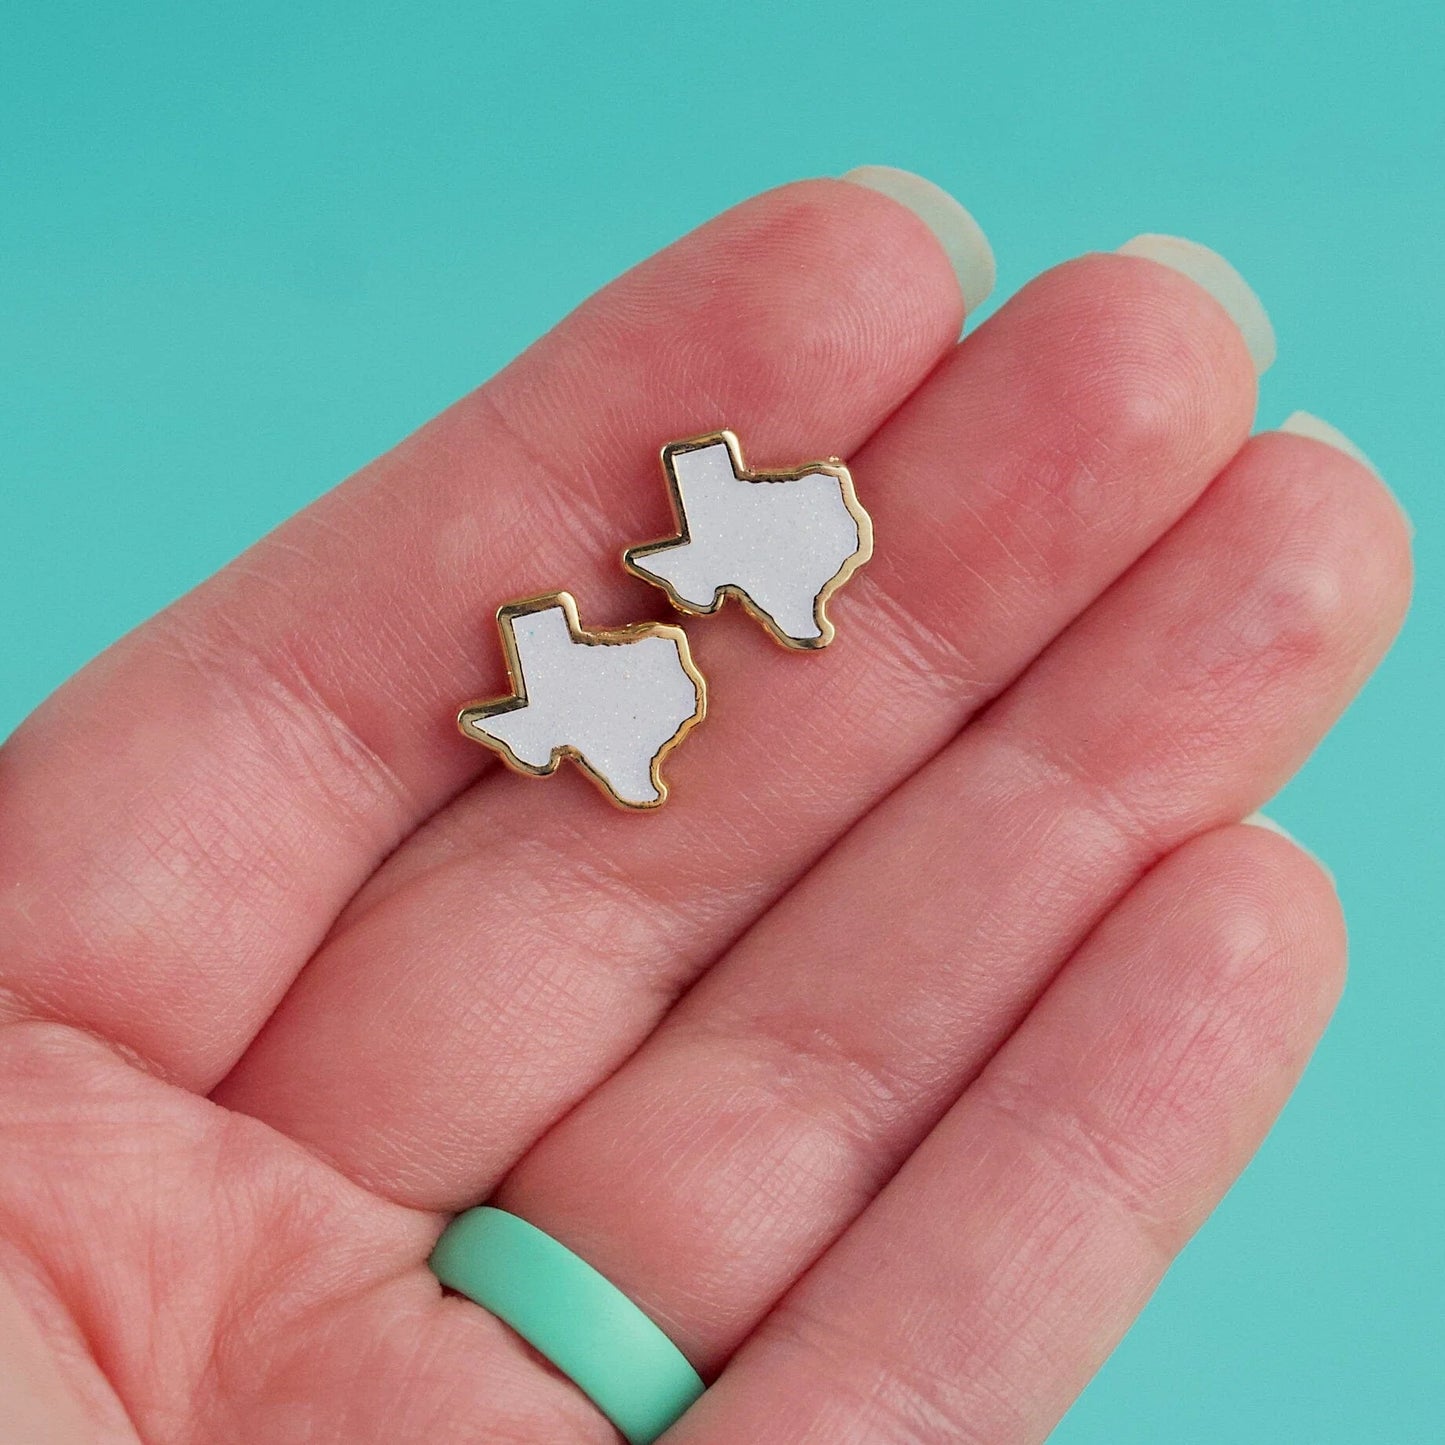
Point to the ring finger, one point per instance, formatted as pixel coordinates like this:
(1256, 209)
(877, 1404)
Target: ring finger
(790, 1084)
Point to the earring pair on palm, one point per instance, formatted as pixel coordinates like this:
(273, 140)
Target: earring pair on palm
(617, 702)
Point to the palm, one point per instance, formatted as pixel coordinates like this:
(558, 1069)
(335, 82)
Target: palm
(230, 1287)
(293, 972)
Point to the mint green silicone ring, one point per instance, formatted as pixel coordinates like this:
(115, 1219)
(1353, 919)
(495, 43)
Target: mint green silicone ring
(576, 1317)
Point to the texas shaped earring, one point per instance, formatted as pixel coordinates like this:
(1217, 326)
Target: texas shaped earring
(781, 542)
(615, 702)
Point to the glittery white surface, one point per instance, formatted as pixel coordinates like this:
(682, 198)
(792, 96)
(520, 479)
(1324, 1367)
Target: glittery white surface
(617, 703)
(779, 542)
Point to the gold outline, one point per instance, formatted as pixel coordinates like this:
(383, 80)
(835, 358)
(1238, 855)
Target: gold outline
(544, 601)
(833, 466)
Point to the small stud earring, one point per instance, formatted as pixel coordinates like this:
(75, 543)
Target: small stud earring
(615, 702)
(781, 542)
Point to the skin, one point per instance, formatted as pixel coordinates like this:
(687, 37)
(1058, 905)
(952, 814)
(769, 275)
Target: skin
(887, 1067)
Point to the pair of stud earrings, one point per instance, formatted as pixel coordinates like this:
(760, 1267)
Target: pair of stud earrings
(617, 702)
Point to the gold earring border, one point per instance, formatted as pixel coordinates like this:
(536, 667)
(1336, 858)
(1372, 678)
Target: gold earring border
(603, 637)
(834, 466)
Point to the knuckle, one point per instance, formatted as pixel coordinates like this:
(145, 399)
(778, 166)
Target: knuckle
(1084, 1150)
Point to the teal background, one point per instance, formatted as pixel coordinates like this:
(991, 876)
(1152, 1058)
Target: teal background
(243, 248)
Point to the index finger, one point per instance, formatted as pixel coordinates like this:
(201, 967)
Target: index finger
(180, 825)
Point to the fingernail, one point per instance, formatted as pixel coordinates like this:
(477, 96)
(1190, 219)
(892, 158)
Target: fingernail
(1305, 424)
(1210, 270)
(961, 237)
(1262, 820)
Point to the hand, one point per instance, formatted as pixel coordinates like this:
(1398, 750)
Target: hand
(886, 1067)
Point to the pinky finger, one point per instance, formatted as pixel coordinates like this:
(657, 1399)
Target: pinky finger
(987, 1283)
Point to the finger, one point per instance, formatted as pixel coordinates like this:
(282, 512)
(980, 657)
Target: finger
(992, 1277)
(775, 1100)
(181, 824)
(35, 1403)
(516, 951)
